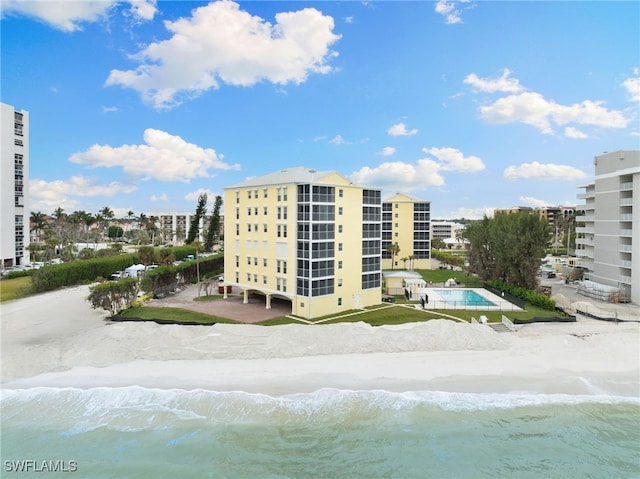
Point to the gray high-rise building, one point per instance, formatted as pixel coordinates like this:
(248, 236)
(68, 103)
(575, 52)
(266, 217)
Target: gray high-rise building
(608, 242)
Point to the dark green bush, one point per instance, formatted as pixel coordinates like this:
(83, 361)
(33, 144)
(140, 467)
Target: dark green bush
(114, 296)
(18, 274)
(532, 297)
(56, 276)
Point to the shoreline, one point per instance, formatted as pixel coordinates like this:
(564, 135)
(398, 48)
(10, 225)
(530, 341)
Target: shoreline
(79, 349)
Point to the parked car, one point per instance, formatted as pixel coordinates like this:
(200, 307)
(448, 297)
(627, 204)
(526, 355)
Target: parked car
(118, 275)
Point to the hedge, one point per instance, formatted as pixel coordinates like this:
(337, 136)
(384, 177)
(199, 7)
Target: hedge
(531, 297)
(75, 272)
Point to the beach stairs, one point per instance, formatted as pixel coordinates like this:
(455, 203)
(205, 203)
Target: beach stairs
(506, 326)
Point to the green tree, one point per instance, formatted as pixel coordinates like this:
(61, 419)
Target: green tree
(509, 247)
(115, 232)
(106, 215)
(393, 249)
(147, 255)
(437, 243)
(214, 225)
(201, 208)
(38, 223)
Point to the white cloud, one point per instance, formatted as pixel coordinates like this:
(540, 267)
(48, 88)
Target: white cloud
(469, 213)
(632, 85)
(492, 85)
(162, 197)
(194, 195)
(337, 140)
(69, 16)
(571, 132)
(400, 176)
(348, 19)
(449, 11)
(540, 171)
(400, 129)
(535, 202)
(221, 43)
(144, 9)
(451, 159)
(163, 157)
(533, 109)
(48, 195)
(109, 109)
(387, 151)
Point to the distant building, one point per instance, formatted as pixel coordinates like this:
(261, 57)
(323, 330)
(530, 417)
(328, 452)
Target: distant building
(406, 221)
(309, 237)
(174, 227)
(608, 243)
(445, 230)
(14, 179)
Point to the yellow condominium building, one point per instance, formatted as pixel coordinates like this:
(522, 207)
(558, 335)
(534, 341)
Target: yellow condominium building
(406, 224)
(310, 237)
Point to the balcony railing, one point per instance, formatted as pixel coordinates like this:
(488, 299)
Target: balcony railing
(624, 279)
(626, 201)
(626, 186)
(584, 230)
(625, 248)
(626, 232)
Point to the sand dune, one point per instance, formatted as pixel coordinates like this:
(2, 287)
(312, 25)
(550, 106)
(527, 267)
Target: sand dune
(56, 339)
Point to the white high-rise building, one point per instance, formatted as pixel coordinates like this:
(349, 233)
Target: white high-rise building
(608, 242)
(14, 178)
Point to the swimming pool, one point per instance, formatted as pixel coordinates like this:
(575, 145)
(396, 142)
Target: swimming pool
(463, 297)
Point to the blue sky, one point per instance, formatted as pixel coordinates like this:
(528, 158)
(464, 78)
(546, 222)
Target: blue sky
(143, 105)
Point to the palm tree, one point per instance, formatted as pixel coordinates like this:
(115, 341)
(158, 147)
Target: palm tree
(412, 258)
(38, 220)
(393, 249)
(106, 215)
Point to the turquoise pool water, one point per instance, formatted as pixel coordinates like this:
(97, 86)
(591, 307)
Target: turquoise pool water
(463, 297)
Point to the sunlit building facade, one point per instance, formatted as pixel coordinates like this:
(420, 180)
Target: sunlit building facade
(309, 237)
(406, 222)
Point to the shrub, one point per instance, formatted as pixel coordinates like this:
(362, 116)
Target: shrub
(56, 276)
(531, 297)
(114, 296)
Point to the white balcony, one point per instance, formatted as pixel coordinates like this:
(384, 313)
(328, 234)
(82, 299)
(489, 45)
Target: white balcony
(624, 248)
(625, 279)
(626, 186)
(626, 201)
(623, 263)
(585, 230)
(625, 232)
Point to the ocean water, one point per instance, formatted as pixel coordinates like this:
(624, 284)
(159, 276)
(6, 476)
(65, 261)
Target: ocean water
(134, 432)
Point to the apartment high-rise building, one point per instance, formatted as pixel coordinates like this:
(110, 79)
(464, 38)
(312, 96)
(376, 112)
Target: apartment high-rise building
(174, 227)
(14, 178)
(406, 222)
(310, 237)
(608, 242)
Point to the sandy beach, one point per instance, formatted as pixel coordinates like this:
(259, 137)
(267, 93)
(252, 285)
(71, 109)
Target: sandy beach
(57, 340)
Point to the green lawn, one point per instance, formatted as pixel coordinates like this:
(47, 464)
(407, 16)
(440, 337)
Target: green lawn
(376, 316)
(174, 314)
(15, 288)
